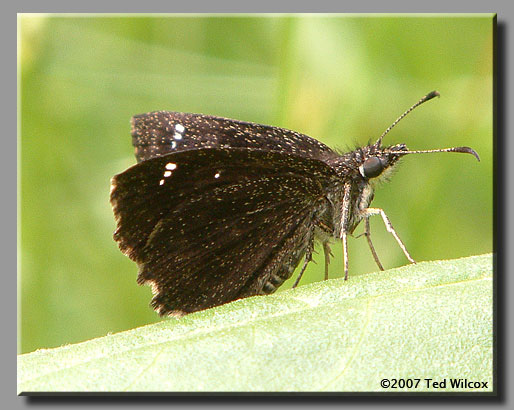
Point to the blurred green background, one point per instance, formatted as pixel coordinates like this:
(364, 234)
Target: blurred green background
(341, 79)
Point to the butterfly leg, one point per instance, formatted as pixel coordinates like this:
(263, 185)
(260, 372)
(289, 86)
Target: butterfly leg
(344, 225)
(328, 254)
(308, 257)
(326, 244)
(367, 232)
(377, 211)
(305, 263)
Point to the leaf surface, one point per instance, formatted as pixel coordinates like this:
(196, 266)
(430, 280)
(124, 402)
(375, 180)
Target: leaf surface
(430, 320)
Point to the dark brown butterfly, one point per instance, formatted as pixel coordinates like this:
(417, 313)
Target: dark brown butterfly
(218, 209)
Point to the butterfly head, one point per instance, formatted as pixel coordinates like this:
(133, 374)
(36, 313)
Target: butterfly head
(378, 162)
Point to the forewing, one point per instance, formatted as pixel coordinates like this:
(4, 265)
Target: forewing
(209, 226)
(162, 132)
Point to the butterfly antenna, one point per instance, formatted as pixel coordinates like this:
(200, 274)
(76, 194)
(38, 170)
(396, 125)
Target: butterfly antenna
(465, 150)
(427, 97)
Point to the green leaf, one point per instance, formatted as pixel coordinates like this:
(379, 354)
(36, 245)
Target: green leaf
(432, 320)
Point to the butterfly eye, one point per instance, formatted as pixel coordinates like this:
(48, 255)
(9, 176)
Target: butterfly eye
(371, 168)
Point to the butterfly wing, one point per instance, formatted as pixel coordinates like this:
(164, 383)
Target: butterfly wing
(162, 132)
(209, 226)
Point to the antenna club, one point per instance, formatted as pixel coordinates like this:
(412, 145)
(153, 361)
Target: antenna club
(467, 150)
(432, 95)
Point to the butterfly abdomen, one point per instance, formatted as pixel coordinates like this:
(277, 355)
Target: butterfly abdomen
(284, 272)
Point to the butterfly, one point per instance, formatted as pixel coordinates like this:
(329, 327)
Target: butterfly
(218, 209)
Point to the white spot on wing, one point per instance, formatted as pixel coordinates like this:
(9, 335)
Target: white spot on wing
(177, 136)
(167, 174)
(161, 182)
(171, 166)
(179, 128)
(217, 175)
